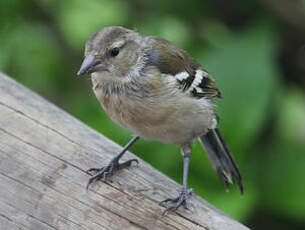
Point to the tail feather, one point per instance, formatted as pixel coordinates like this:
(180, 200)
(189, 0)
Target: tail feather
(221, 159)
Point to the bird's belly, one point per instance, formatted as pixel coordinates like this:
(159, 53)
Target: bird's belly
(176, 132)
(168, 122)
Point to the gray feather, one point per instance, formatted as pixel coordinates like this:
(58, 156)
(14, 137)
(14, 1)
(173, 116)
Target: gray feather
(221, 159)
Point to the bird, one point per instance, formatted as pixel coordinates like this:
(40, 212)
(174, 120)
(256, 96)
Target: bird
(157, 91)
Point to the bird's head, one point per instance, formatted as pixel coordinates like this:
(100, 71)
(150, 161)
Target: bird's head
(112, 51)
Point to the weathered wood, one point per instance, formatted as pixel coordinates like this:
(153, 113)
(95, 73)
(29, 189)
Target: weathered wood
(44, 153)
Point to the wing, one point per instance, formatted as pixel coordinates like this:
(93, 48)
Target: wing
(190, 76)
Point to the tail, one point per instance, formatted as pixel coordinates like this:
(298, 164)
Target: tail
(221, 159)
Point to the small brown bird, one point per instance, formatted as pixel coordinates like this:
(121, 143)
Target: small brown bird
(157, 91)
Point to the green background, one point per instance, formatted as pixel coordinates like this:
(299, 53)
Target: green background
(254, 49)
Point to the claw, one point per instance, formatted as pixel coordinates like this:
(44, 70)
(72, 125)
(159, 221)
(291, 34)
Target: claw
(108, 170)
(166, 200)
(127, 163)
(91, 171)
(182, 199)
(89, 182)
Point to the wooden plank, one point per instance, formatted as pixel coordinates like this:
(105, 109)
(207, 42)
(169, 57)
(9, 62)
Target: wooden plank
(44, 153)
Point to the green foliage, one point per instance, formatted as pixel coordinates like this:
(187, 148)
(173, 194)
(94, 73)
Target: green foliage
(77, 20)
(41, 45)
(286, 176)
(244, 71)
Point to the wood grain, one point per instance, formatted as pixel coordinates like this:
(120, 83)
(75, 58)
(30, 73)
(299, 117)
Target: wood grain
(44, 155)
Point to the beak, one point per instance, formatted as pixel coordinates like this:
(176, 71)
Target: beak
(90, 64)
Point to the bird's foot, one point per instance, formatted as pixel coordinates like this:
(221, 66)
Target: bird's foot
(105, 172)
(182, 199)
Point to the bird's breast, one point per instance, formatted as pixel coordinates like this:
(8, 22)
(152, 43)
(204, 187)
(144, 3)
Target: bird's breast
(133, 113)
(162, 115)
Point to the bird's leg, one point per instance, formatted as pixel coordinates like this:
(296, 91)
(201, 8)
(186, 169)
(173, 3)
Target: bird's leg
(114, 165)
(182, 199)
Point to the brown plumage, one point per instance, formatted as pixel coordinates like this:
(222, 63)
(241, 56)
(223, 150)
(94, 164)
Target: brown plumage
(159, 92)
(175, 60)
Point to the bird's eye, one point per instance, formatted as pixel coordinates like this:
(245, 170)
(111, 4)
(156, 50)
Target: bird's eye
(114, 52)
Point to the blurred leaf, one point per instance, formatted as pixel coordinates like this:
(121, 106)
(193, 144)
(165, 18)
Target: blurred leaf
(80, 19)
(34, 41)
(281, 166)
(170, 28)
(245, 73)
(281, 180)
(292, 114)
(215, 32)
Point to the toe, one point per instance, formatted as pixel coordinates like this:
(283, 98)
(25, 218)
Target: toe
(170, 209)
(93, 171)
(105, 172)
(190, 191)
(90, 181)
(181, 200)
(186, 204)
(168, 200)
(127, 163)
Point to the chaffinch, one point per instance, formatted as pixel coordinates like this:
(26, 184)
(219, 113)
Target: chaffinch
(157, 91)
